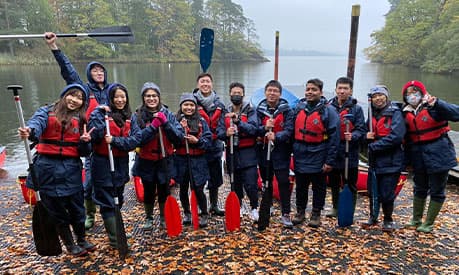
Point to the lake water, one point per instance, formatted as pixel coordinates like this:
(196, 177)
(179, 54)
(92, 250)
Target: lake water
(42, 84)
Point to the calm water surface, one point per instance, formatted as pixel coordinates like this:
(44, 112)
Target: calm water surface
(42, 84)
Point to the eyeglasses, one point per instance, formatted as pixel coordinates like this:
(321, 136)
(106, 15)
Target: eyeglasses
(150, 96)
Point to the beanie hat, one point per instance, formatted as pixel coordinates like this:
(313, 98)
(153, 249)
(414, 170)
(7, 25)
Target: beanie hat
(75, 86)
(418, 85)
(150, 85)
(379, 89)
(187, 97)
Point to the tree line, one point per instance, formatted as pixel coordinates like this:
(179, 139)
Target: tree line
(164, 30)
(419, 33)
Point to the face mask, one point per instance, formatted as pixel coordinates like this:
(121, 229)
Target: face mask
(236, 99)
(413, 99)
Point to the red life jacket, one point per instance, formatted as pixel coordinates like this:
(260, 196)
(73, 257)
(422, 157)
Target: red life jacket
(91, 106)
(422, 127)
(211, 121)
(152, 150)
(57, 141)
(181, 149)
(278, 123)
(244, 140)
(382, 127)
(343, 125)
(102, 147)
(310, 128)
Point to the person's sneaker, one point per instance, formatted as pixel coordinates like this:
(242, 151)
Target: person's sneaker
(299, 218)
(254, 215)
(315, 219)
(286, 221)
(187, 219)
(371, 222)
(203, 221)
(389, 226)
(333, 213)
(271, 210)
(148, 225)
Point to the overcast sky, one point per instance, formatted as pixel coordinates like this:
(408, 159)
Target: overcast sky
(322, 25)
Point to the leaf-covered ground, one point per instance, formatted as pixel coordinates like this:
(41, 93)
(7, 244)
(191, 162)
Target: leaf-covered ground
(302, 250)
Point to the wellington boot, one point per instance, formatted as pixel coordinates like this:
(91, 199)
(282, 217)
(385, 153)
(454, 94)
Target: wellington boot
(67, 239)
(148, 225)
(315, 218)
(81, 241)
(432, 213)
(162, 221)
(213, 196)
(110, 228)
(90, 207)
(418, 210)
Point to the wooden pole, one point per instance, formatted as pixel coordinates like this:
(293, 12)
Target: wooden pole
(353, 41)
(276, 57)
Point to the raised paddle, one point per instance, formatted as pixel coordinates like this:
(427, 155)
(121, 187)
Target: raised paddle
(346, 200)
(267, 198)
(193, 199)
(206, 48)
(171, 207)
(232, 206)
(115, 34)
(44, 230)
(121, 240)
(353, 41)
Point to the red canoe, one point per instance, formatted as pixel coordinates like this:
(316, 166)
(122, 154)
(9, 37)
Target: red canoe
(2, 155)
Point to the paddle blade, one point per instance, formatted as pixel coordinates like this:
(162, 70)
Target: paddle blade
(265, 205)
(44, 231)
(172, 217)
(206, 48)
(345, 207)
(114, 34)
(121, 240)
(232, 212)
(194, 210)
(372, 185)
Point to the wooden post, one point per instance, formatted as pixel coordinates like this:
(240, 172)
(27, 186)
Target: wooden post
(353, 41)
(276, 57)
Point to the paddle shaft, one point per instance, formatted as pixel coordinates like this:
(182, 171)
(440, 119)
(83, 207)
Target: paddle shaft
(106, 34)
(232, 157)
(353, 41)
(346, 154)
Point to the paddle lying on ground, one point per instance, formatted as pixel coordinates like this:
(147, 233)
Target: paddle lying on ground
(267, 199)
(171, 207)
(115, 34)
(232, 206)
(193, 199)
(121, 240)
(372, 183)
(44, 229)
(346, 200)
(206, 48)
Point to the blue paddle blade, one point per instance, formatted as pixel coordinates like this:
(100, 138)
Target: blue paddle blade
(345, 207)
(206, 48)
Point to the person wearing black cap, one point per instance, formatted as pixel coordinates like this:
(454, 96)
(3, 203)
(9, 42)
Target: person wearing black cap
(152, 113)
(198, 136)
(211, 107)
(385, 152)
(60, 130)
(429, 150)
(97, 87)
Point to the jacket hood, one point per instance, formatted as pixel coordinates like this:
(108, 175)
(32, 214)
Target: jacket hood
(75, 86)
(88, 72)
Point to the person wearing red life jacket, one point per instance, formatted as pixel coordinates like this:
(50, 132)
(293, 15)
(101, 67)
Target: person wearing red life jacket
(106, 186)
(345, 104)
(153, 113)
(198, 136)
(97, 87)
(385, 153)
(240, 121)
(275, 124)
(60, 130)
(315, 146)
(211, 108)
(429, 150)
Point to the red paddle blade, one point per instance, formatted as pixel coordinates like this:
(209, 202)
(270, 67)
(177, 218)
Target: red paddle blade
(138, 187)
(172, 217)
(232, 212)
(194, 210)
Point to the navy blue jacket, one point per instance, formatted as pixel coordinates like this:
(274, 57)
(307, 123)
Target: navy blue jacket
(310, 157)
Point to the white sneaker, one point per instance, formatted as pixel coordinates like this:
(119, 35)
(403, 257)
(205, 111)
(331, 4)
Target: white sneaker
(271, 210)
(254, 215)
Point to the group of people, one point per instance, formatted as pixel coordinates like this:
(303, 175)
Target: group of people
(323, 136)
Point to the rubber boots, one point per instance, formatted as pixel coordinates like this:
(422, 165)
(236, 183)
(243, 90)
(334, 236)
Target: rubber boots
(162, 221)
(213, 196)
(432, 213)
(315, 218)
(335, 197)
(418, 210)
(90, 207)
(110, 228)
(388, 223)
(148, 225)
(81, 241)
(67, 239)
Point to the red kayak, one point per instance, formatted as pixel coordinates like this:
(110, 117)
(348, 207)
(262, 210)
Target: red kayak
(2, 155)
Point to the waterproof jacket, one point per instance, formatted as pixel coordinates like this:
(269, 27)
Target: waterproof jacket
(358, 131)
(310, 157)
(386, 152)
(437, 155)
(173, 132)
(215, 150)
(58, 176)
(281, 153)
(246, 132)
